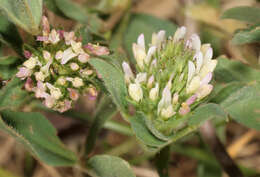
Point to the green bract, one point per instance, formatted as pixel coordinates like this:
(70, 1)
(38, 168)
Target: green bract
(172, 78)
(59, 70)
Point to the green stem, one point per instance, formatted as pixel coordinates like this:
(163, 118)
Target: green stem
(123, 148)
(118, 127)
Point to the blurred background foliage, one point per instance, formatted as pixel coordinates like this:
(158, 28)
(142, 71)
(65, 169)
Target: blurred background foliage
(231, 26)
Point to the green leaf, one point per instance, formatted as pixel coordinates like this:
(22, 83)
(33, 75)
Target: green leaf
(51, 5)
(9, 35)
(229, 71)
(8, 60)
(244, 105)
(146, 24)
(24, 13)
(106, 110)
(142, 133)
(226, 91)
(247, 36)
(243, 13)
(110, 166)
(12, 96)
(72, 10)
(113, 79)
(206, 112)
(37, 135)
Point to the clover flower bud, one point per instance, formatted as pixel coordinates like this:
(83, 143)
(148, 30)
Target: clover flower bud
(153, 94)
(39, 76)
(195, 42)
(61, 81)
(158, 38)
(141, 77)
(54, 37)
(74, 95)
(168, 112)
(45, 26)
(77, 47)
(69, 37)
(55, 92)
(139, 51)
(27, 54)
(77, 82)
(31, 62)
(128, 72)
(46, 55)
(83, 58)
(68, 54)
(179, 34)
(58, 71)
(97, 49)
(175, 98)
(74, 66)
(28, 84)
(59, 55)
(135, 91)
(150, 82)
(181, 70)
(185, 109)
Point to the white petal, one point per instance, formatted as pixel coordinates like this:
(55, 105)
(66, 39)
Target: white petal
(194, 85)
(206, 79)
(168, 112)
(150, 53)
(179, 34)
(208, 55)
(166, 94)
(140, 41)
(204, 48)
(139, 55)
(67, 55)
(191, 70)
(135, 92)
(153, 94)
(199, 61)
(208, 67)
(158, 38)
(196, 43)
(150, 81)
(175, 98)
(141, 77)
(127, 70)
(204, 91)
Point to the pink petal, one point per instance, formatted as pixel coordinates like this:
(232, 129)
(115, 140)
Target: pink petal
(192, 99)
(42, 38)
(27, 54)
(29, 84)
(74, 95)
(61, 33)
(23, 73)
(184, 110)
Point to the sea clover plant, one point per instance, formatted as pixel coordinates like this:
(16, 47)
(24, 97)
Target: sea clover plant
(57, 71)
(172, 78)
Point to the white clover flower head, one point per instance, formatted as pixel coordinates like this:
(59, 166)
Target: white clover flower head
(58, 71)
(172, 77)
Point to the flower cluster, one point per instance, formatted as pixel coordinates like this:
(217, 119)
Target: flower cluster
(172, 76)
(58, 71)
